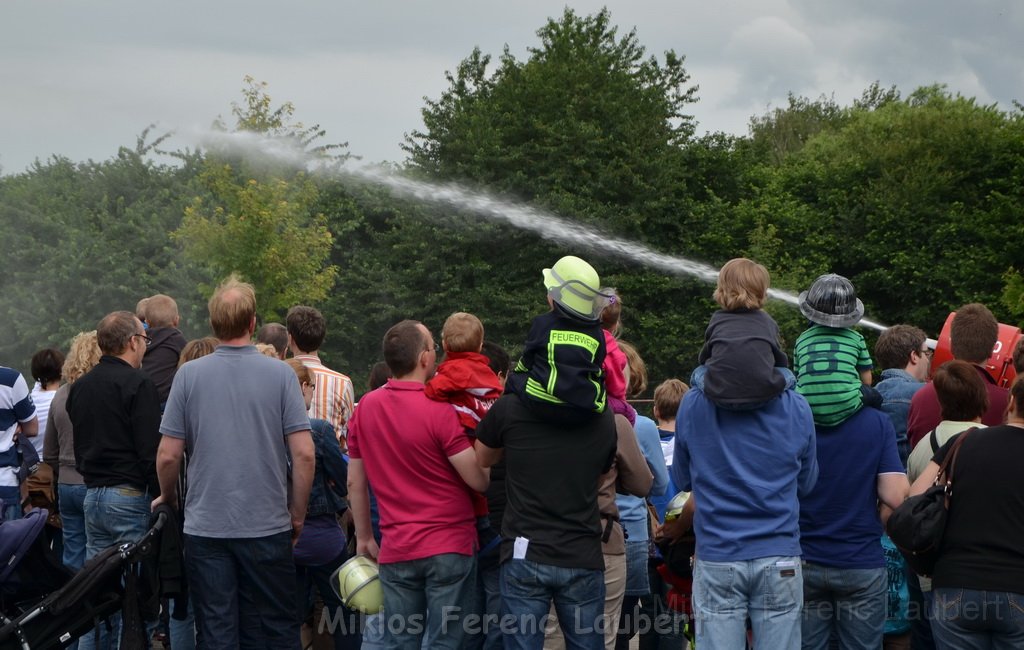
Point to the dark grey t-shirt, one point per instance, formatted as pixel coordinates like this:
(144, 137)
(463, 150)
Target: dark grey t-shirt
(552, 479)
(234, 408)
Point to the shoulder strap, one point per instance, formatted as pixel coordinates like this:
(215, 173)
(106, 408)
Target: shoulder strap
(934, 440)
(949, 464)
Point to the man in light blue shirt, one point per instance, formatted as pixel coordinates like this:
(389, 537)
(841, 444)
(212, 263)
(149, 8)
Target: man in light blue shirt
(905, 360)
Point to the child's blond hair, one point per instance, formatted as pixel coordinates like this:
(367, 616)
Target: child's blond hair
(463, 332)
(742, 284)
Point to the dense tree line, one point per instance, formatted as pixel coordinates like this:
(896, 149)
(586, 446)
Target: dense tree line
(916, 199)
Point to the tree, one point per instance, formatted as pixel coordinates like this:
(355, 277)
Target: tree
(257, 115)
(265, 232)
(588, 127)
(257, 218)
(80, 240)
(917, 201)
(586, 115)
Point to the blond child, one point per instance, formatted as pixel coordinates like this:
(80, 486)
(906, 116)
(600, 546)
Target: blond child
(742, 364)
(465, 380)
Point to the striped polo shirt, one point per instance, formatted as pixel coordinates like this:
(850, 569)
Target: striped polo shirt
(828, 361)
(333, 396)
(15, 406)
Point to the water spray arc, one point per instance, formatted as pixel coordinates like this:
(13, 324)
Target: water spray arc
(553, 227)
(545, 224)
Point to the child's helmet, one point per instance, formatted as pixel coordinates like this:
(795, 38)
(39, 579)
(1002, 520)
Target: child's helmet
(831, 301)
(574, 285)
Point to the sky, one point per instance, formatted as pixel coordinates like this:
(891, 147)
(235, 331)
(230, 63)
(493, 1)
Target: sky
(80, 78)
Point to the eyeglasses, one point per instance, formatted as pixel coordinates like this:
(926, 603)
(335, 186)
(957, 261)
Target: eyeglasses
(436, 349)
(927, 352)
(148, 340)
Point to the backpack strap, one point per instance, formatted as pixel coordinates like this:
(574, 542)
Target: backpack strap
(933, 438)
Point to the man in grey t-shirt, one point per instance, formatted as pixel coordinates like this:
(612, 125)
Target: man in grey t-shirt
(239, 414)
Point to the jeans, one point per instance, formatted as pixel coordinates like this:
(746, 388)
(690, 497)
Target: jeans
(72, 517)
(113, 515)
(488, 575)
(183, 633)
(920, 614)
(337, 620)
(375, 630)
(848, 602)
(637, 582)
(527, 590)
(243, 591)
(769, 590)
(966, 619)
(433, 595)
(10, 503)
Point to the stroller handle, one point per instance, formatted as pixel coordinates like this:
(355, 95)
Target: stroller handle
(143, 545)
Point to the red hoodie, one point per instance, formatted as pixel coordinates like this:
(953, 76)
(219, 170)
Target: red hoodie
(466, 381)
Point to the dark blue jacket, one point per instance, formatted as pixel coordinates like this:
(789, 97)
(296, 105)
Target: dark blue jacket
(331, 475)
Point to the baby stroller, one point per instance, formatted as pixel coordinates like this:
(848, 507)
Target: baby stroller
(43, 605)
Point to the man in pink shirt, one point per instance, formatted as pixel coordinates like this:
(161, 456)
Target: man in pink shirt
(422, 468)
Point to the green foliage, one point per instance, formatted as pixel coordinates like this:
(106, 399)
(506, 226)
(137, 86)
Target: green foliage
(257, 115)
(913, 200)
(257, 219)
(264, 231)
(1013, 295)
(588, 127)
(81, 240)
(587, 114)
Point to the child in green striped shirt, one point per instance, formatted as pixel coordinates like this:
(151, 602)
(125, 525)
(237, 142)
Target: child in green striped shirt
(833, 367)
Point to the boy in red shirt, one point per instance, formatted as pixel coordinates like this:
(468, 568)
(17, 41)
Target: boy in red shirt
(465, 380)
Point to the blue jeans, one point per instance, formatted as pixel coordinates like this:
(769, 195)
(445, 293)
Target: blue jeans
(769, 590)
(10, 503)
(113, 515)
(490, 577)
(243, 591)
(637, 583)
(919, 612)
(183, 633)
(527, 590)
(433, 595)
(375, 629)
(966, 619)
(488, 595)
(849, 602)
(72, 517)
